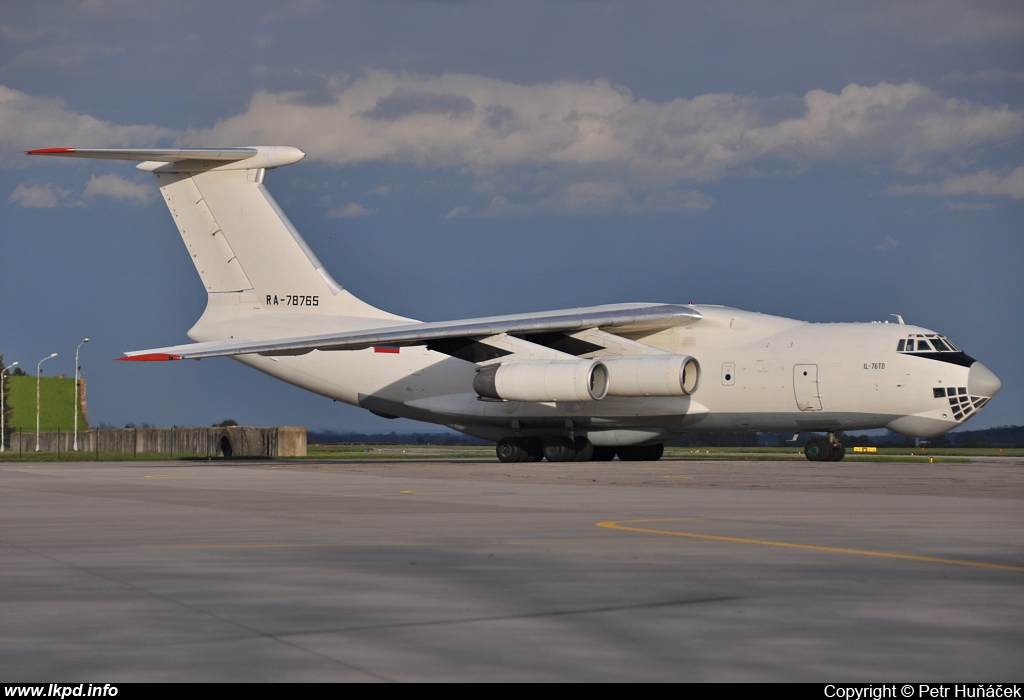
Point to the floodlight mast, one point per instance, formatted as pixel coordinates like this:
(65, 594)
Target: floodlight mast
(39, 372)
(77, 394)
(3, 417)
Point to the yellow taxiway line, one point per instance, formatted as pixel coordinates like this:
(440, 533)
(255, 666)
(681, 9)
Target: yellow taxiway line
(617, 525)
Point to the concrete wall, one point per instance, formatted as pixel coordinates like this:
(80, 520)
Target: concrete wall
(236, 441)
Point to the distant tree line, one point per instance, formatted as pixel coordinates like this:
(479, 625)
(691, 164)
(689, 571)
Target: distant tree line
(1003, 436)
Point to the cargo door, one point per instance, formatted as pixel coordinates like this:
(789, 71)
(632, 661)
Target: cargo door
(805, 387)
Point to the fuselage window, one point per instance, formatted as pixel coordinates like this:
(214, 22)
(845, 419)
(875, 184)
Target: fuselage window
(899, 348)
(940, 346)
(923, 345)
(910, 345)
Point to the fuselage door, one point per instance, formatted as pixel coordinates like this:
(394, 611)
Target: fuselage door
(805, 387)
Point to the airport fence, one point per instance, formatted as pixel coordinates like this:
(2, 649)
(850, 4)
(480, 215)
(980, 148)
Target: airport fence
(235, 441)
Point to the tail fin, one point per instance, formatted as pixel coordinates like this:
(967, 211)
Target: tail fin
(247, 253)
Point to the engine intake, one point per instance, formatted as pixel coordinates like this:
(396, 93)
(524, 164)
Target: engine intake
(652, 375)
(543, 380)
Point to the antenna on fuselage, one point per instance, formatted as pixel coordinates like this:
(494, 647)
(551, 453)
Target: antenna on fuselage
(899, 318)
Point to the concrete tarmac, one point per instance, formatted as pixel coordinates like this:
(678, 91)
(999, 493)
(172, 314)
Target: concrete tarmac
(482, 571)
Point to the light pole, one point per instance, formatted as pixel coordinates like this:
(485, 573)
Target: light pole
(39, 371)
(84, 341)
(3, 425)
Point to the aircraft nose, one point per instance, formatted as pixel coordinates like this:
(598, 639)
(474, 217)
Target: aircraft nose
(982, 382)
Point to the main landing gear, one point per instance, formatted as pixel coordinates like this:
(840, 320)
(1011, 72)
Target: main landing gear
(819, 449)
(565, 449)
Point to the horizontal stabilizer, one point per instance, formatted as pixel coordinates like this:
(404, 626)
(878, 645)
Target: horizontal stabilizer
(150, 357)
(617, 318)
(167, 155)
(189, 159)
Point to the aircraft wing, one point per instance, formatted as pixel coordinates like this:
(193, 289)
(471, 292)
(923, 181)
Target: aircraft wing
(621, 319)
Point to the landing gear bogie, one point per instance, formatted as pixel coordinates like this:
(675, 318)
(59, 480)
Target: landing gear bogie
(512, 449)
(584, 450)
(559, 449)
(819, 449)
(509, 450)
(579, 449)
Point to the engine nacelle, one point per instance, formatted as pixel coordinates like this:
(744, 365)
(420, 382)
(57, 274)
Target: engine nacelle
(652, 375)
(543, 380)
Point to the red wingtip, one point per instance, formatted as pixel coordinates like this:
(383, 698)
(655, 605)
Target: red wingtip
(44, 151)
(151, 357)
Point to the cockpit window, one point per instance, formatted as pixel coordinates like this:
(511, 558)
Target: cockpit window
(930, 343)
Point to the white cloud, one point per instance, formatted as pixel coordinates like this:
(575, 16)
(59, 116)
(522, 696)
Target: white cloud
(42, 197)
(350, 211)
(482, 123)
(457, 211)
(595, 195)
(888, 244)
(38, 196)
(117, 187)
(28, 122)
(386, 189)
(945, 21)
(985, 183)
(907, 190)
(969, 206)
(575, 147)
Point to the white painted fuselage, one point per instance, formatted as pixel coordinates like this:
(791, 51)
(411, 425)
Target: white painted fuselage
(758, 373)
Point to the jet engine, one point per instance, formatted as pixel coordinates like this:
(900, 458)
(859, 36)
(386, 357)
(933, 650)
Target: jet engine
(652, 375)
(543, 380)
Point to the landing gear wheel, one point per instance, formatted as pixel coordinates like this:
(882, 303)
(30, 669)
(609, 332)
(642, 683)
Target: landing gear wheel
(559, 449)
(533, 449)
(838, 452)
(641, 453)
(509, 450)
(654, 452)
(584, 450)
(603, 454)
(818, 450)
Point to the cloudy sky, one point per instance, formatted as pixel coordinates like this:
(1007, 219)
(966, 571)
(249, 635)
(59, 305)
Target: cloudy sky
(827, 161)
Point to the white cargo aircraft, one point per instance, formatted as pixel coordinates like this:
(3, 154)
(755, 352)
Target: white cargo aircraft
(575, 384)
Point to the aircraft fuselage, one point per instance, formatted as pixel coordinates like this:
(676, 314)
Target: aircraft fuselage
(758, 373)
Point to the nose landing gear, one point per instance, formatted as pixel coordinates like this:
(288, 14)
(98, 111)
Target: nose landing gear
(820, 449)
